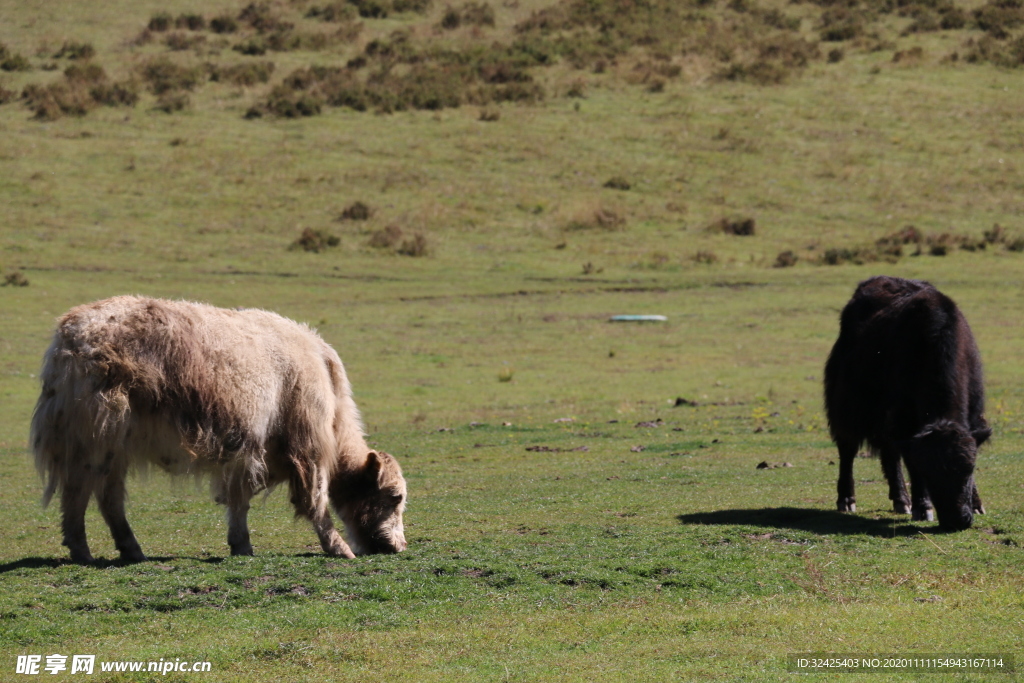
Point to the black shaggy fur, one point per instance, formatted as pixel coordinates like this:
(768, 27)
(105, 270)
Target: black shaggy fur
(905, 377)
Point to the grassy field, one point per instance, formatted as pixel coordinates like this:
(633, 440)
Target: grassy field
(568, 520)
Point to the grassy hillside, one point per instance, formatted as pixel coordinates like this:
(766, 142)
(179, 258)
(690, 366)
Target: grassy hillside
(458, 198)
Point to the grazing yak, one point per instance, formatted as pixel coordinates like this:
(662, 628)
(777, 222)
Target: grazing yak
(245, 397)
(905, 377)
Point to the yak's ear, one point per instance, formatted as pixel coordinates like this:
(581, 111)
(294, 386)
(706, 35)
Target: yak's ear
(373, 463)
(981, 435)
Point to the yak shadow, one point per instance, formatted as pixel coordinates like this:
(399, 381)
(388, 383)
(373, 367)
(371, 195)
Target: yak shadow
(98, 563)
(822, 522)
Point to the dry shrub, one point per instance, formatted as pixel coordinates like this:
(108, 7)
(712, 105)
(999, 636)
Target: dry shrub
(999, 17)
(173, 101)
(841, 23)
(314, 240)
(15, 279)
(416, 246)
(224, 23)
(490, 114)
(14, 62)
(599, 218)
(74, 50)
(743, 227)
(262, 17)
(83, 88)
(785, 259)
(248, 74)
(1008, 54)
(182, 41)
(356, 211)
(160, 22)
(386, 238)
(617, 183)
(913, 56)
(333, 12)
(706, 257)
(190, 21)
(163, 76)
(469, 14)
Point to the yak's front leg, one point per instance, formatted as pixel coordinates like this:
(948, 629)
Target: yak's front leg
(238, 521)
(921, 509)
(847, 500)
(111, 502)
(893, 470)
(330, 540)
(976, 504)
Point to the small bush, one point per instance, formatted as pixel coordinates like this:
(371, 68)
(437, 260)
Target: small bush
(416, 246)
(839, 23)
(173, 101)
(418, 6)
(15, 62)
(617, 183)
(163, 76)
(386, 238)
(334, 12)
(601, 218)
(160, 22)
(835, 56)
(252, 47)
(997, 235)
(490, 114)
(192, 22)
(182, 41)
(356, 211)
(743, 227)
(15, 279)
(706, 257)
(314, 240)
(225, 23)
(785, 259)
(247, 74)
(75, 50)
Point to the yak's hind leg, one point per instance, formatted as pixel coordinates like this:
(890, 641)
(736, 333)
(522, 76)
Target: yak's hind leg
(893, 470)
(847, 500)
(75, 493)
(110, 496)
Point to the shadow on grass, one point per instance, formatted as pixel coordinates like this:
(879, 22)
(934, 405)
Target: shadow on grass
(824, 522)
(98, 563)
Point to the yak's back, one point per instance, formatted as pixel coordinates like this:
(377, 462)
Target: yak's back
(229, 381)
(905, 356)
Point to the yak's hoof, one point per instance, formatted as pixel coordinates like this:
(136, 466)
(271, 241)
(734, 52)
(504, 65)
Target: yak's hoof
(900, 508)
(926, 515)
(81, 558)
(133, 556)
(247, 551)
(846, 505)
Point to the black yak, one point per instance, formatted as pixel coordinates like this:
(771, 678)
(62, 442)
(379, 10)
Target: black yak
(246, 397)
(905, 377)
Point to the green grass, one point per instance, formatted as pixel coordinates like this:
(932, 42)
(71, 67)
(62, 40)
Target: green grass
(608, 550)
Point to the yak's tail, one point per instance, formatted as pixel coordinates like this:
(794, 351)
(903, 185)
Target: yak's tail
(79, 420)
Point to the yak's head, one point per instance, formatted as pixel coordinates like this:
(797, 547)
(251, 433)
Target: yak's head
(944, 453)
(370, 501)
